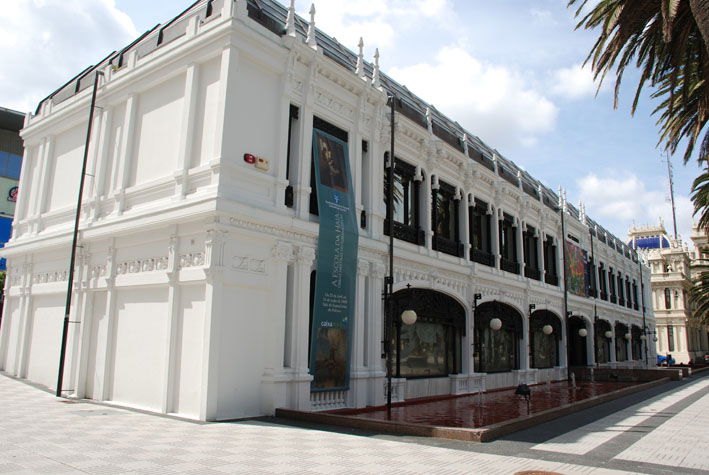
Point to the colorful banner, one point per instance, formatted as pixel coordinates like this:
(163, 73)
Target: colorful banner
(336, 277)
(576, 269)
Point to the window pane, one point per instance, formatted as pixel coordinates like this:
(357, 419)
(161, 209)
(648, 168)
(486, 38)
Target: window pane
(423, 350)
(398, 200)
(544, 350)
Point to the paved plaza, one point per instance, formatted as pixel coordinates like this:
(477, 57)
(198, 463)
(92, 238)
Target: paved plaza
(661, 430)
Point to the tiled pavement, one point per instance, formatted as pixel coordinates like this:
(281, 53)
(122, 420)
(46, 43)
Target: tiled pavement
(42, 434)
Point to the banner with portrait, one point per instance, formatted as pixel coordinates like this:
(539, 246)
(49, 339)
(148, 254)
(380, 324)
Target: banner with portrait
(576, 269)
(336, 276)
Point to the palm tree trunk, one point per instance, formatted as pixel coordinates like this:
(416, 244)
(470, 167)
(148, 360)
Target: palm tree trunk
(700, 10)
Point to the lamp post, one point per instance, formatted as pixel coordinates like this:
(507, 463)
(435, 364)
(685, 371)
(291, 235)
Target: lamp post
(75, 238)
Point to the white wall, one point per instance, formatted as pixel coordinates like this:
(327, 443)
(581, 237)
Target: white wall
(158, 120)
(188, 350)
(46, 319)
(96, 351)
(66, 167)
(140, 339)
(204, 146)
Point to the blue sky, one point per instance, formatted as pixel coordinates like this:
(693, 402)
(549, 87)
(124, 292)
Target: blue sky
(508, 71)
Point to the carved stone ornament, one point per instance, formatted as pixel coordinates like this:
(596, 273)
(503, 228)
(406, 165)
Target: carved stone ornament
(283, 251)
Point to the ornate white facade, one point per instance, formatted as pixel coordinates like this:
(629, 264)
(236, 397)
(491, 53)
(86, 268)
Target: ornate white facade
(193, 277)
(679, 331)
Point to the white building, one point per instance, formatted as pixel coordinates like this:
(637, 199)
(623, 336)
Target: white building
(673, 265)
(199, 235)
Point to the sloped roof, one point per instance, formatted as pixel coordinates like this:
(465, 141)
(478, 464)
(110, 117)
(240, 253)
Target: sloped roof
(272, 15)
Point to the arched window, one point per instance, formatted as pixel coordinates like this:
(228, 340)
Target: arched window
(544, 346)
(621, 348)
(497, 350)
(602, 342)
(431, 347)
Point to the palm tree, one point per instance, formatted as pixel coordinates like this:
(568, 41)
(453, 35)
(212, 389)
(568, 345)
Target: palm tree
(669, 41)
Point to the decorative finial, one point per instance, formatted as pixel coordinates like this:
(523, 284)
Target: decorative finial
(290, 19)
(375, 76)
(429, 119)
(310, 40)
(582, 211)
(360, 59)
(465, 144)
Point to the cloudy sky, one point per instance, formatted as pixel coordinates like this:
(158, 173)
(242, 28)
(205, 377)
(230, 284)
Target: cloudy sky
(509, 71)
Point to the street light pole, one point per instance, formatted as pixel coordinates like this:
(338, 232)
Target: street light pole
(389, 280)
(72, 259)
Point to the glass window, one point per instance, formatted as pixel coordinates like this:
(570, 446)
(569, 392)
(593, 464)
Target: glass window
(668, 298)
(498, 350)
(405, 203)
(445, 212)
(425, 350)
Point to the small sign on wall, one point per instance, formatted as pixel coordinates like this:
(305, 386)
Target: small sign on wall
(259, 162)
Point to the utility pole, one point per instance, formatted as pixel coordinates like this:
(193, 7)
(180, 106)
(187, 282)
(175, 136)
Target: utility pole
(672, 193)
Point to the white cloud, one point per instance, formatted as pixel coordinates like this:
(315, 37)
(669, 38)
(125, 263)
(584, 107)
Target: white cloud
(44, 43)
(573, 82)
(623, 199)
(490, 100)
(377, 21)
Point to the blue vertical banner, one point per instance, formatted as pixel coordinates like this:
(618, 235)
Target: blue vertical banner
(336, 277)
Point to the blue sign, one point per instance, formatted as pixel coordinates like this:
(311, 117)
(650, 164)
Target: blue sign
(336, 277)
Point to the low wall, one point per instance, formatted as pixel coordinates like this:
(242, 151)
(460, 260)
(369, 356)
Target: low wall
(585, 373)
(481, 434)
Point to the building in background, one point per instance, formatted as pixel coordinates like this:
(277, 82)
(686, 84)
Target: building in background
(673, 266)
(10, 164)
(236, 169)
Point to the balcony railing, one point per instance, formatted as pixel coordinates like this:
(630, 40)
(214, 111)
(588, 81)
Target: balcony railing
(551, 279)
(482, 257)
(531, 273)
(406, 233)
(509, 266)
(447, 246)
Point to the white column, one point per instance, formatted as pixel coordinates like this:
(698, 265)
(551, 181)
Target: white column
(99, 169)
(186, 136)
(173, 316)
(426, 208)
(520, 249)
(464, 226)
(26, 321)
(590, 338)
(359, 374)
(613, 356)
(375, 337)
(42, 181)
(540, 254)
(29, 162)
(111, 292)
(300, 394)
(495, 236)
(524, 360)
(214, 304)
(125, 155)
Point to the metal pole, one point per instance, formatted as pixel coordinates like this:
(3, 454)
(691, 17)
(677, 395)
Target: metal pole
(566, 292)
(389, 284)
(642, 299)
(672, 194)
(72, 259)
(594, 275)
